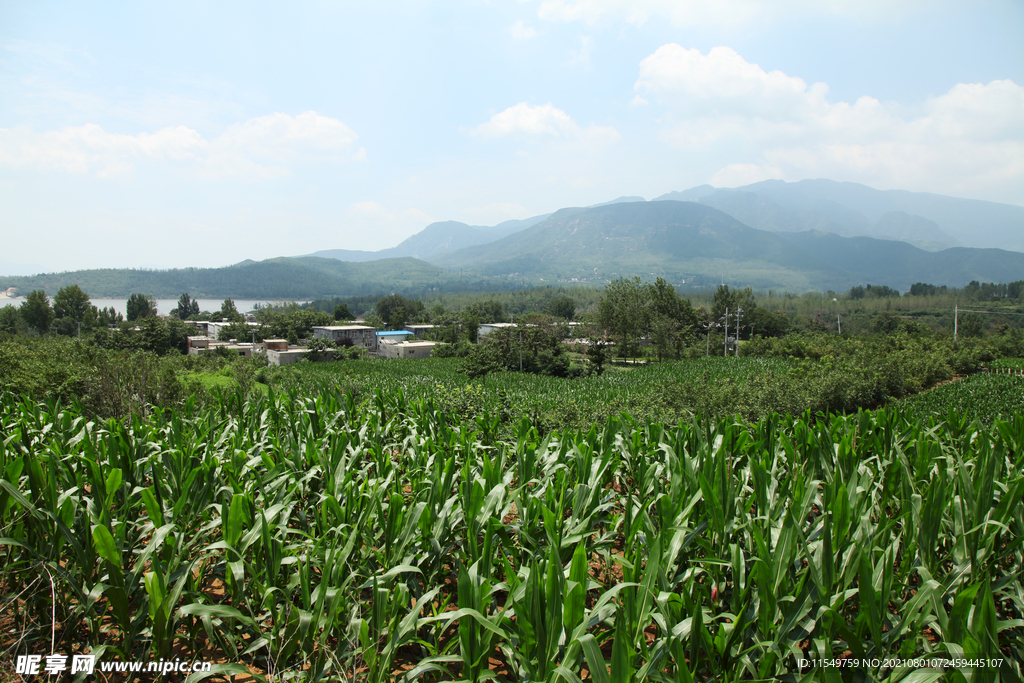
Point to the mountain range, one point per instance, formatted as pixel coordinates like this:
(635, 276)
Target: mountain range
(802, 236)
(811, 234)
(690, 242)
(436, 238)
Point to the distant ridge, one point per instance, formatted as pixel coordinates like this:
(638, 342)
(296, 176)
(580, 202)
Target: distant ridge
(277, 278)
(808, 235)
(857, 209)
(685, 240)
(436, 238)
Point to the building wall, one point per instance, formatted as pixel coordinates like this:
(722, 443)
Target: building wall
(405, 350)
(360, 336)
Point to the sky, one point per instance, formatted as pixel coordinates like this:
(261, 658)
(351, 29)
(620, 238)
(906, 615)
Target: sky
(172, 134)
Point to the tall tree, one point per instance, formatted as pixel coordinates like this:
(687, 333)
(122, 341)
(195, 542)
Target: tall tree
(733, 299)
(187, 307)
(107, 316)
(561, 307)
(672, 318)
(396, 310)
(342, 312)
(140, 306)
(472, 328)
(9, 319)
(624, 312)
(229, 312)
(36, 311)
(487, 311)
(71, 303)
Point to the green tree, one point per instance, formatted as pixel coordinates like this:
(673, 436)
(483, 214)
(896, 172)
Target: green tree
(342, 312)
(672, 319)
(9, 319)
(71, 303)
(487, 311)
(561, 307)
(187, 307)
(229, 312)
(153, 335)
(140, 306)
(107, 316)
(624, 312)
(597, 355)
(177, 334)
(36, 311)
(472, 329)
(971, 325)
(396, 310)
(535, 349)
(733, 300)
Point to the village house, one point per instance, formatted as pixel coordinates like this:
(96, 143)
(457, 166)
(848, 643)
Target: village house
(356, 335)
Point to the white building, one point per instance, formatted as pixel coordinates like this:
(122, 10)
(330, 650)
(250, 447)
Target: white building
(417, 348)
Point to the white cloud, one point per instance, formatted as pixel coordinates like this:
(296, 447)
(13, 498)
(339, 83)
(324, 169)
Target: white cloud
(542, 120)
(280, 136)
(780, 126)
(521, 31)
(719, 12)
(261, 147)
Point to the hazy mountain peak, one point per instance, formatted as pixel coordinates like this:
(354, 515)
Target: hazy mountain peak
(620, 200)
(692, 195)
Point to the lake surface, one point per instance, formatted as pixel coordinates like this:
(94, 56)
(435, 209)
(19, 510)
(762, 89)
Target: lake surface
(165, 306)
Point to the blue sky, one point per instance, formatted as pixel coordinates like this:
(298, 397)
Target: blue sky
(174, 134)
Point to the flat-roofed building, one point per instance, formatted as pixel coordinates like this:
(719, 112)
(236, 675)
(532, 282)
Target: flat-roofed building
(200, 345)
(419, 330)
(413, 348)
(357, 335)
(393, 335)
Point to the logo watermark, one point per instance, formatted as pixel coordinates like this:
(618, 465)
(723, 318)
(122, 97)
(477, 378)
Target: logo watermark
(54, 665)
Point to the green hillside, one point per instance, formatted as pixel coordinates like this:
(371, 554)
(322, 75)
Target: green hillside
(685, 240)
(900, 265)
(306, 277)
(675, 240)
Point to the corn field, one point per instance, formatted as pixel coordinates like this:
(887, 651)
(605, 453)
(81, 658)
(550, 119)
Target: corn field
(323, 539)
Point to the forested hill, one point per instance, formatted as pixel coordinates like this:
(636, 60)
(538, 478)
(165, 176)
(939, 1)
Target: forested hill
(685, 240)
(675, 240)
(277, 278)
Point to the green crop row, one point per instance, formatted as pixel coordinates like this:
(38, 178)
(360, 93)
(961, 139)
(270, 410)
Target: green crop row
(326, 538)
(983, 396)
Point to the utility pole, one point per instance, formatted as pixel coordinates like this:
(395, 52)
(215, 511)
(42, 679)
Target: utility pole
(725, 344)
(738, 311)
(839, 322)
(707, 328)
(956, 314)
